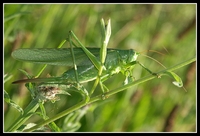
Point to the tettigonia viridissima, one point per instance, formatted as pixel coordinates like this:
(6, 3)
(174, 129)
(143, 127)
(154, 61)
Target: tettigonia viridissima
(87, 64)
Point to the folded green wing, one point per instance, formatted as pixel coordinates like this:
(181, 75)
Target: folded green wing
(53, 56)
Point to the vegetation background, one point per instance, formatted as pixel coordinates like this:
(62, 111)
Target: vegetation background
(153, 106)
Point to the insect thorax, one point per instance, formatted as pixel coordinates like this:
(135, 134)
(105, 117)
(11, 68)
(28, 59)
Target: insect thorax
(120, 58)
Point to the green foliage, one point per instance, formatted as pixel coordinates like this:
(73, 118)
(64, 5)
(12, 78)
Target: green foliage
(167, 28)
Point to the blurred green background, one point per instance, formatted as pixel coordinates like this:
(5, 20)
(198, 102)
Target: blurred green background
(147, 107)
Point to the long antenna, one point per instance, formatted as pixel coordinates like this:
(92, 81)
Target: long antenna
(153, 58)
(157, 60)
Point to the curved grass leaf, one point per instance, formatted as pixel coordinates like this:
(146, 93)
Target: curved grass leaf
(12, 103)
(7, 97)
(178, 82)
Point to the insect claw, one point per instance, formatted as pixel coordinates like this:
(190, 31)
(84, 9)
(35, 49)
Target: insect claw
(158, 75)
(103, 96)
